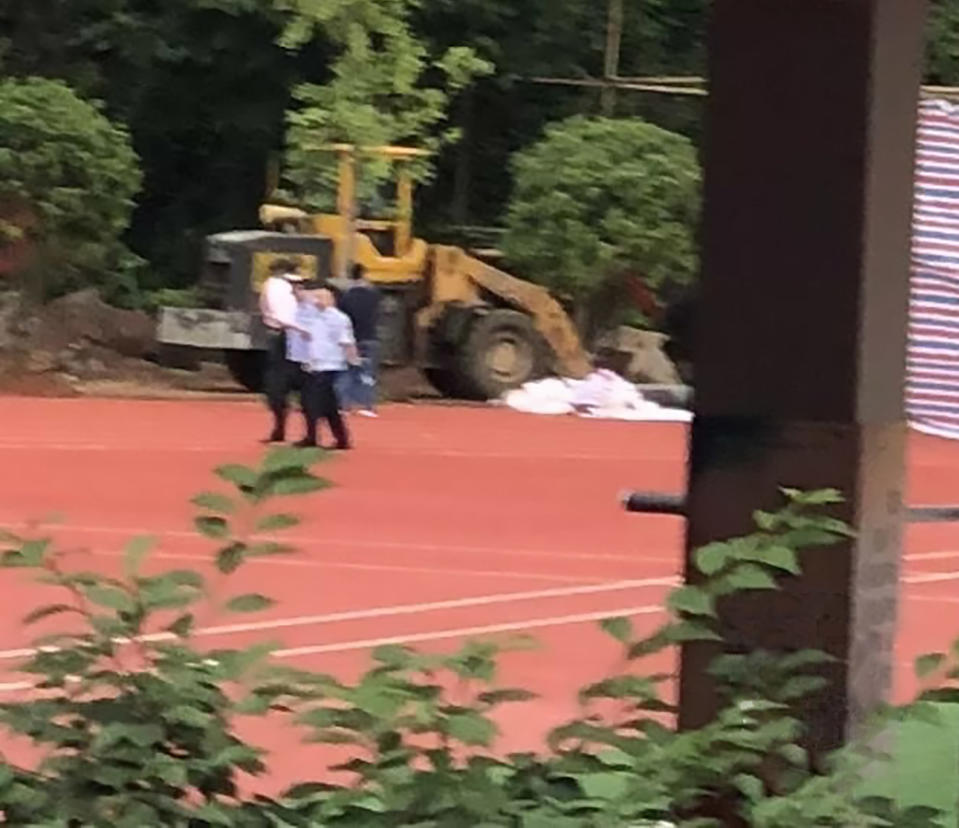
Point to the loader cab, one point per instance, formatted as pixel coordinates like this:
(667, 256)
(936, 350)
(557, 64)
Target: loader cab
(379, 237)
(237, 263)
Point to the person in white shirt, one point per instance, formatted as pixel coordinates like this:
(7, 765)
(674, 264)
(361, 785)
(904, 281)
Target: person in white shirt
(278, 308)
(331, 349)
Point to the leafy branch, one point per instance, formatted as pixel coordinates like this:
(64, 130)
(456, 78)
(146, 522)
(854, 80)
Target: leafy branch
(137, 721)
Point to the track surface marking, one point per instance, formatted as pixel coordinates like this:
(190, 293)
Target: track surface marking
(445, 523)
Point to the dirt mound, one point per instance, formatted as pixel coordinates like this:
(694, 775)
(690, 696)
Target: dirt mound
(83, 318)
(20, 373)
(78, 342)
(80, 345)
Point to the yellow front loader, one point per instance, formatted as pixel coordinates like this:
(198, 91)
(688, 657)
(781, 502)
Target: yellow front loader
(473, 329)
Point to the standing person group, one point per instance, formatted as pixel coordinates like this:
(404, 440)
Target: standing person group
(311, 347)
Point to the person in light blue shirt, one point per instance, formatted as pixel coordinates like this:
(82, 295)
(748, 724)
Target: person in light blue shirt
(298, 341)
(329, 350)
(298, 344)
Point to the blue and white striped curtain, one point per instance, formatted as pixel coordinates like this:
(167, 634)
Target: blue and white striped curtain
(932, 393)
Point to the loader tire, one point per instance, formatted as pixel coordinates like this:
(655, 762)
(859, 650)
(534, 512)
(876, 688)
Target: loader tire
(503, 351)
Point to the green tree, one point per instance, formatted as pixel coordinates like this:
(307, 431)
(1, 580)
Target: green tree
(68, 176)
(598, 200)
(942, 43)
(384, 87)
(202, 86)
(505, 113)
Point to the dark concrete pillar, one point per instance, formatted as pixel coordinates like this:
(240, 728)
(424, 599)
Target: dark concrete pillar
(800, 357)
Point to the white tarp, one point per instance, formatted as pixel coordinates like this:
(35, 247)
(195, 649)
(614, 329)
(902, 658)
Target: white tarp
(601, 395)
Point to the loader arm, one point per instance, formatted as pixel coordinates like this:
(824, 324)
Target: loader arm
(547, 314)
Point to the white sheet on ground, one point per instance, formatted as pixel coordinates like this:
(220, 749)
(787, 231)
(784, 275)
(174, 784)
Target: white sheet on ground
(601, 395)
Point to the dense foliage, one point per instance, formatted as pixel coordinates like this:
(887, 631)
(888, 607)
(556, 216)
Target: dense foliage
(210, 88)
(377, 96)
(942, 58)
(202, 87)
(136, 718)
(602, 199)
(67, 181)
(207, 86)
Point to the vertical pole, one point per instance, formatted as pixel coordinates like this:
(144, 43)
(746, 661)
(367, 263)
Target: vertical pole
(346, 207)
(272, 177)
(614, 39)
(404, 207)
(800, 359)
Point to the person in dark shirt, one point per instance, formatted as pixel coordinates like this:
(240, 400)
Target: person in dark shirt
(361, 303)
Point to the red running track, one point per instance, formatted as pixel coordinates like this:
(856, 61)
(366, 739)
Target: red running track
(444, 523)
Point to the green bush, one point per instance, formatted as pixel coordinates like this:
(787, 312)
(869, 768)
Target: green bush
(600, 199)
(172, 298)
(136, 720)
(68, 177)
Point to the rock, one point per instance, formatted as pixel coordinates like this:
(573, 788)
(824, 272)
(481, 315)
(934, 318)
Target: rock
(10, 313)
(668, 396)
(68, 359)
(84, 317)
(639, 356)
(40, 362)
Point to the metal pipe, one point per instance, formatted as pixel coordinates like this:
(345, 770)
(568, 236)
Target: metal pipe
(933, 514)
(659, 503)
(654, 503)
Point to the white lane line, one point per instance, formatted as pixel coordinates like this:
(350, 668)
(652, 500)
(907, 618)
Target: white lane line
(439, 635)
(306, 540)
(16, 687)
(28, 652)
(94, 447)
(416, 570)
(392, 611)
(370, 451)
(933, 556)
(931, 578)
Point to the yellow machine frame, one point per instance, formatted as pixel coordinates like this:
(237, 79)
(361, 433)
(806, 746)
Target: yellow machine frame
(348, 232)
(455, 276)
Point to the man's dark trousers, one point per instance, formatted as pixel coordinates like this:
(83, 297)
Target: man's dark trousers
(321, 402)
(279, 382)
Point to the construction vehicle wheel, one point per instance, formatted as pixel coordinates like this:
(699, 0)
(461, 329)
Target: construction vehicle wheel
(503, 351)
(246, 368)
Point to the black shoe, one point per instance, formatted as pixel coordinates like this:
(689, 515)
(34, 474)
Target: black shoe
(275, 437)
(342, 447)
(306, 443)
